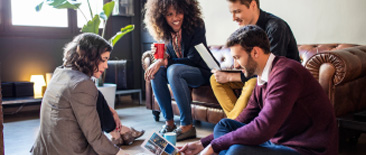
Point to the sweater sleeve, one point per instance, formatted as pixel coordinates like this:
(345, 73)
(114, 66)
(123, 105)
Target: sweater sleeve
(207, 140)
(84, 100)
(282, 91)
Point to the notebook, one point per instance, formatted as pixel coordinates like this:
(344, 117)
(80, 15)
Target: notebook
(210, 60)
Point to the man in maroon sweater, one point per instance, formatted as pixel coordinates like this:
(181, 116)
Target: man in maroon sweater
(288, 112)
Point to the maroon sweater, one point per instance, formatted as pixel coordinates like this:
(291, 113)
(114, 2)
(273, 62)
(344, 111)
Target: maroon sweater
(291, 109)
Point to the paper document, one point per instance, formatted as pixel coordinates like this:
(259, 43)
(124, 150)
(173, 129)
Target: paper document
(210, 60)
(158, 145)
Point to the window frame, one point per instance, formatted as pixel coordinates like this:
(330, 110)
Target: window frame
(7, 29)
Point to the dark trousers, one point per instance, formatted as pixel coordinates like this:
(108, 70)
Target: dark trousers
(105, 115)
(227, 125)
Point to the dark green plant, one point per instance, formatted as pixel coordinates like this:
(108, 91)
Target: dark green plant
(93, 24)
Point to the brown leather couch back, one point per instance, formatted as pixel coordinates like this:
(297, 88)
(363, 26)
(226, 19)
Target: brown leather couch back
(306, 51)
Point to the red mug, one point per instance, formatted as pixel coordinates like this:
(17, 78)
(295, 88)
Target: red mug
(160, 50)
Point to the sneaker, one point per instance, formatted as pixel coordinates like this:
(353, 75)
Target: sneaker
(191, 133)
(167, 128)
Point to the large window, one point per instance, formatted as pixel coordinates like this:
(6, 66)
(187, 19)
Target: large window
(20, 18)
(23, 13)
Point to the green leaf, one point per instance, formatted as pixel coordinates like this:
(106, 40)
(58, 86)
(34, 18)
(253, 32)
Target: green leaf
(108, 8)
(128, 27)
(39, 6)
(121, 33)
(92, 25)
(63, 4)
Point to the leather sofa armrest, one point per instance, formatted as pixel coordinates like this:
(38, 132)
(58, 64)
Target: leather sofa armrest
(348, 64)
(342, 74)
(147, 59)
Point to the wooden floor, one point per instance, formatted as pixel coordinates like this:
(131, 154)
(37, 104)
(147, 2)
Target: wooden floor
(20, 130)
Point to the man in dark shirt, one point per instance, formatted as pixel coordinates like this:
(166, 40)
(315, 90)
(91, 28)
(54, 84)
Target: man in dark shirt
(282, 43)
(288, 112)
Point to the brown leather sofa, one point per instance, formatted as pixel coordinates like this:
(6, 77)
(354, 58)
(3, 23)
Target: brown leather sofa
(339, 68)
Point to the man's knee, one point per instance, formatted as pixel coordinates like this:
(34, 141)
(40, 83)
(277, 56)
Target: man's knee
(235, 149)
(213, 79)
(225, 122)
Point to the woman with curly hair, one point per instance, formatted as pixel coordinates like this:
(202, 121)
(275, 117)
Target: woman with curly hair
(73, 112)
(179, 25)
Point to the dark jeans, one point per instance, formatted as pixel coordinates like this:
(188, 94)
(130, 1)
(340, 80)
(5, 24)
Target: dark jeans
(105, 115)
(180, 77)
(227, 125)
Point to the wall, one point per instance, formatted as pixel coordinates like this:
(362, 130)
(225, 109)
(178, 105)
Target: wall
(312, 21)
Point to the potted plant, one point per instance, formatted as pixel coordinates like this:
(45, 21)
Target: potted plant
(92, 25)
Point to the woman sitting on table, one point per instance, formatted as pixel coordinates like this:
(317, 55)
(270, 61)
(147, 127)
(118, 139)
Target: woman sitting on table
(73, 112)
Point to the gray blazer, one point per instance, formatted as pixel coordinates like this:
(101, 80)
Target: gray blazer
(69, 119)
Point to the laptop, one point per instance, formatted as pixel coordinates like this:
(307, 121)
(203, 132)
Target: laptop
(210, 60)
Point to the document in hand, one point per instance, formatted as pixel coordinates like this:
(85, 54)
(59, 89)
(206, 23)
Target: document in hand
(158, 145)
(210, 60)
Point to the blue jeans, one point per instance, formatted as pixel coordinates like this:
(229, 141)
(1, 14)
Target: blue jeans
(180, 77)
(227, 125)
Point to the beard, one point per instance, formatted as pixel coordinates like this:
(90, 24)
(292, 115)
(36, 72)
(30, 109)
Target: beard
(250, 67)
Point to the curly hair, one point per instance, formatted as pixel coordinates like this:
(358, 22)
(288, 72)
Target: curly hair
(84, 52)
(155, 11)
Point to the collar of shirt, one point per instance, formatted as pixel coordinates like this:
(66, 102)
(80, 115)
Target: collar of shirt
(267, 69)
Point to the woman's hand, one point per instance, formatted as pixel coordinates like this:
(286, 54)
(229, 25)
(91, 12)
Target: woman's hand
(153, 68)
(153, 49)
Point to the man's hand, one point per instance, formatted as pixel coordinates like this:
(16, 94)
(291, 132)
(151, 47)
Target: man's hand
(208, 151)
(221, 77)
(192, 148)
